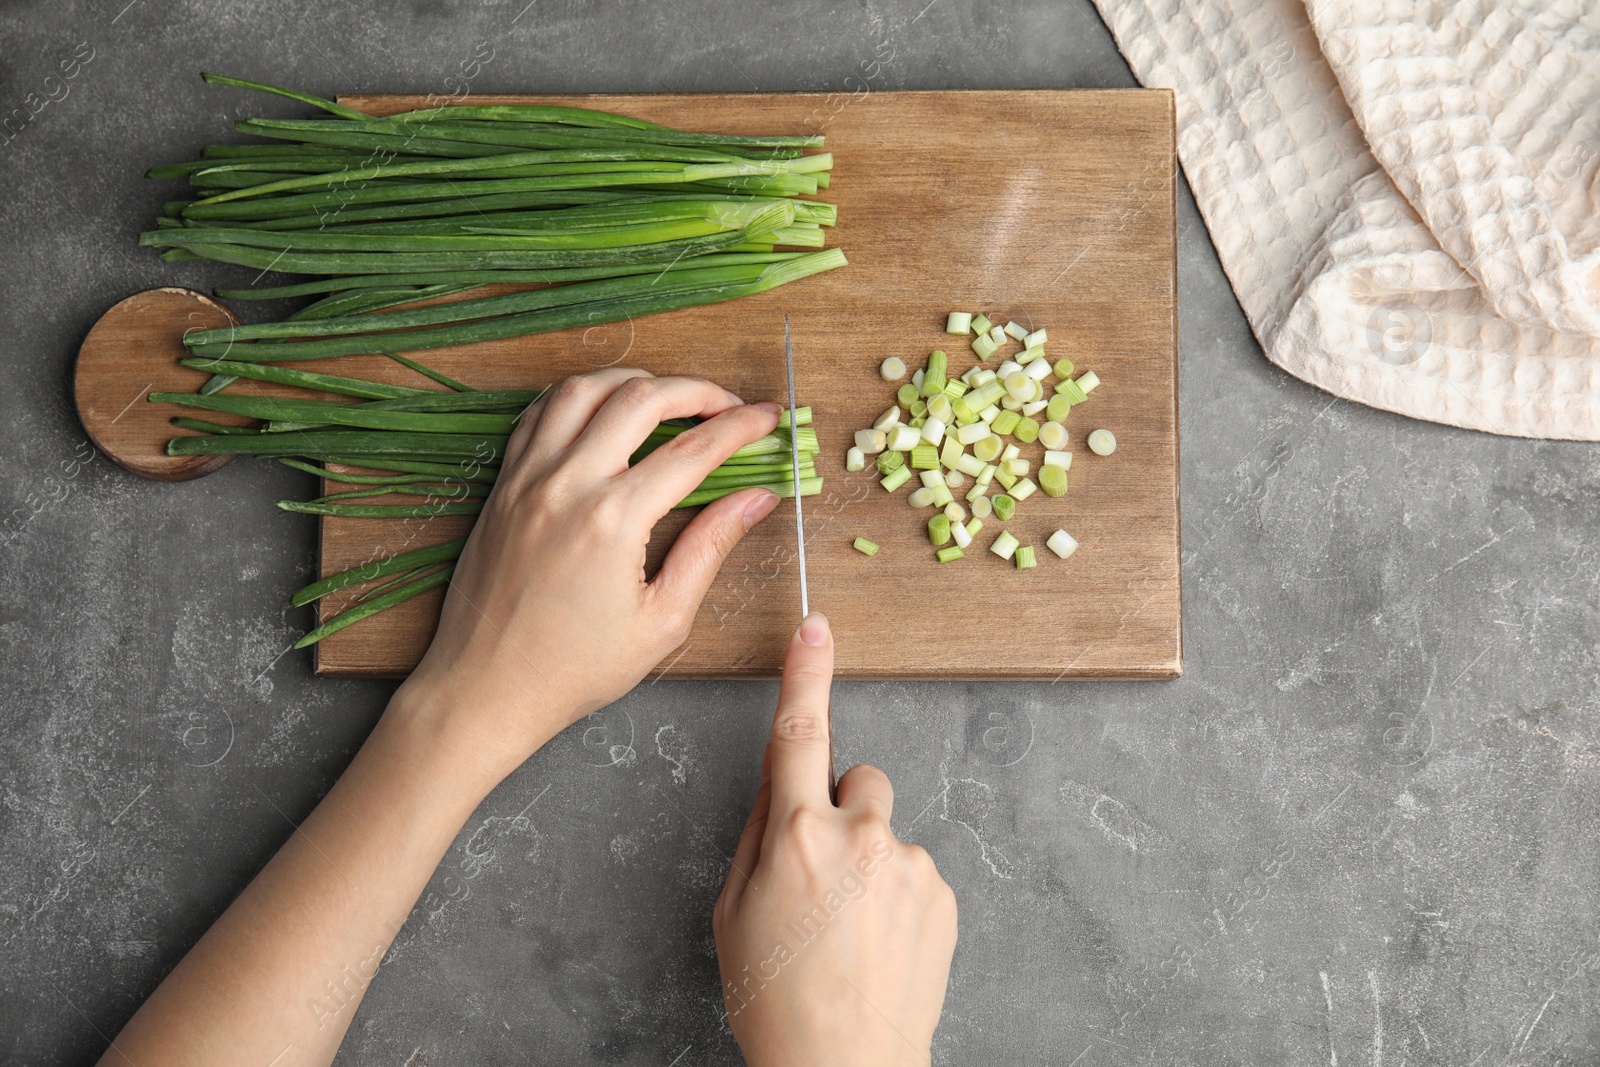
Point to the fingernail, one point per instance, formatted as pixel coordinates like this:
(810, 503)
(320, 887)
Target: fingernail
(733, 397)
(814, 630)
(769, 407)
(759, 508)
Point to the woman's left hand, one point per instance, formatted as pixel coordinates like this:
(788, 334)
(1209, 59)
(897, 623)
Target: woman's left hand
(549, 616)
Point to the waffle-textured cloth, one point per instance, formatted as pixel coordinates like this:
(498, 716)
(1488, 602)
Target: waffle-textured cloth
(1404, 193)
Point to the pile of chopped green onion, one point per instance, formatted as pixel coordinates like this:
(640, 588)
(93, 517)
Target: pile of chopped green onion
(440, 448)
(937, 416)
(611, 216)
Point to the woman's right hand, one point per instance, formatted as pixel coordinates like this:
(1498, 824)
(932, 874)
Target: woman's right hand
(834, 940)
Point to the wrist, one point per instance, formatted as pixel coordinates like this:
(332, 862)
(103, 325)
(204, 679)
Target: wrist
(467, 744)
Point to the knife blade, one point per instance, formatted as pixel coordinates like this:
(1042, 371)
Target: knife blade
(800, 534)
(794, 458)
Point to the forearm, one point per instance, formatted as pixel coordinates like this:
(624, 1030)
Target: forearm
(278, 977)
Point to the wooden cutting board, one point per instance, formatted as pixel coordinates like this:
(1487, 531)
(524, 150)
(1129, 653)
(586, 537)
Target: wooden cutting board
(1054, 208)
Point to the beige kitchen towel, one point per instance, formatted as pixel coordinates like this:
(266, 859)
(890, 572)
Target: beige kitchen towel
(1405, 195)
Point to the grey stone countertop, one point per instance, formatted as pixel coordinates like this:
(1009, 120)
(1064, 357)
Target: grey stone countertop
(1358, 830)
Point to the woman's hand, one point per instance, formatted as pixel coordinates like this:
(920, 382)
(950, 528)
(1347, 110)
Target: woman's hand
(549, 616)
(834, 940)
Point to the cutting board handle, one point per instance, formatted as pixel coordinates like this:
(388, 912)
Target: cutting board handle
(133, 350)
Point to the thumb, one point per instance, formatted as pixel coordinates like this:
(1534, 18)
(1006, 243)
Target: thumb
(692, 562)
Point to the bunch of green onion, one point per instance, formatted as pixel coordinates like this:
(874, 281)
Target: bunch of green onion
(443, 447)
(611, 216)
(578, 217)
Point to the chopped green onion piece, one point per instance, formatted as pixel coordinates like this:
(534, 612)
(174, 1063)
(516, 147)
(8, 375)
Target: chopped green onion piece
(1056, 408)
(895, 478)
(1062, 544)
(997, 334)
(1017, 330)
(950, 455)
(964, 412)
(865, 547)
(1005, 422)
(921, 498)
(1006, 478)
(1053, 435)
(974, 524)
(1038, 369)
(1005, 545)
(969, 465)
(904, 438)
(1053, 480)
(939, 530)
(981, 507)
(989, 414)
(1088, 380)
(932, 478)
(986, 475)
(981, 323)
(887, 420)
(855, 460)
(1102, 442)
(1018, 466)
(1024, 488)
(1072, 391)
(872, 442)
(907, 394)
(1036, 338)
(959, 534)
(955, 512)
(1064, 367)
(972, 434)
(958, 322)
(939, 408)
(919, 407)
(933, 430)
(988, 448)
(890, 461)
(955, 388)
(955, 479)
(1059, 459)
(1033, 408)
(1004, 507)
(1011, 452)
(1027, 431)
(1018, 385)
(983, 347)
(985, 393)
(892, 369)
(953, 552)
(925, 458)
(1025, 558)
(933, 376)
(942, 495)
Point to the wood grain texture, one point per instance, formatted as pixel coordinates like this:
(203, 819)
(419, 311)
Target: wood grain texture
(133, 350)
(1055, 208)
